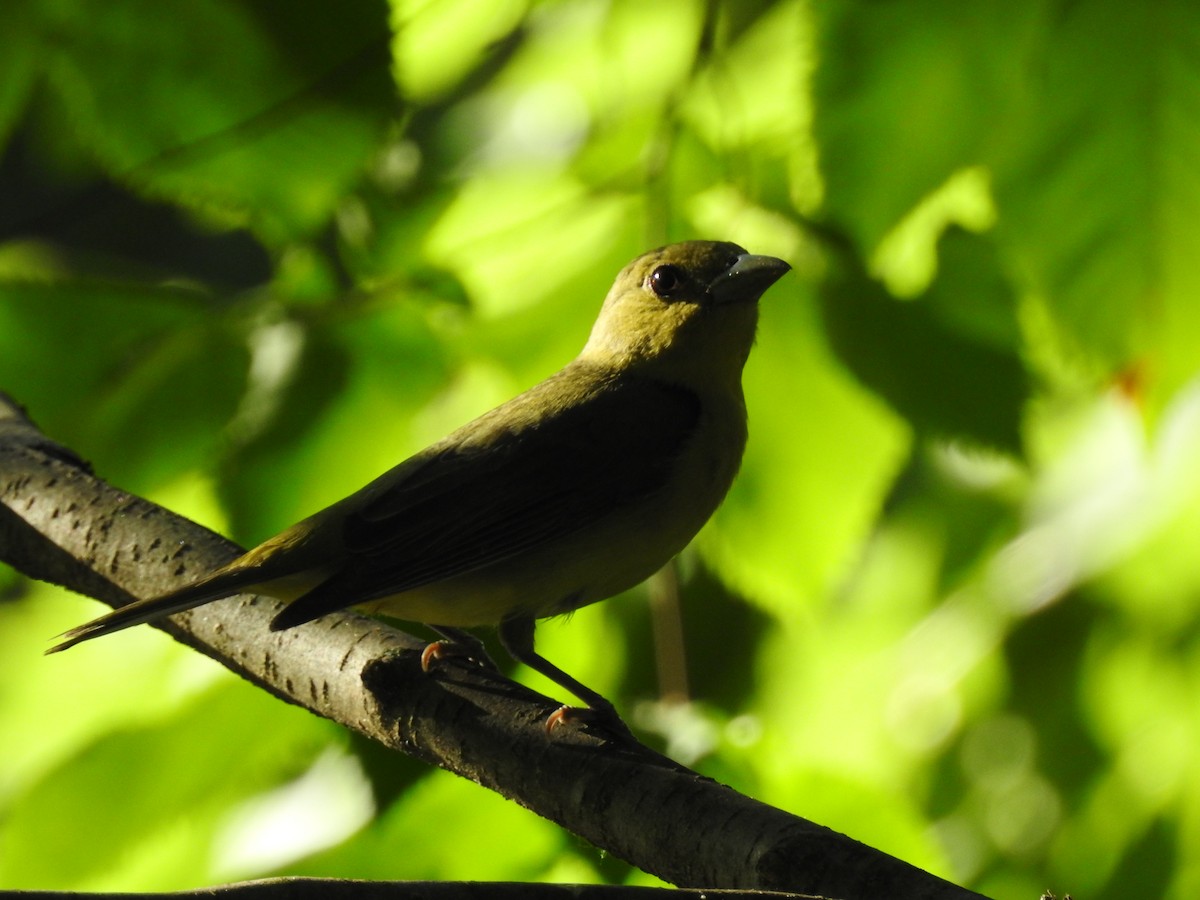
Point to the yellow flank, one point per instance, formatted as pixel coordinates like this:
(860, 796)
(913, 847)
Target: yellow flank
(577, 489)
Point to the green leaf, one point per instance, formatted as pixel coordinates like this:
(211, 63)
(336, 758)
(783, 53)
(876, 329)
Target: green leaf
(97, 823)
(901, 106)
(263, 110)
(972, 294)
(20, 48)
(141, 379)
(946, 378)
(418, 838)
(342, 416)
(1098, 193)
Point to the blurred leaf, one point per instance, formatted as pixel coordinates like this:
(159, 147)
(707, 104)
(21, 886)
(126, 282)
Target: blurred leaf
(383, 235)
(947, 381)
(19, 51)
(730, 104)
(421, 837)
(972, 294)
(1097, 184)
(899, 108)
(274, 126)
(143, 378)
(163, 786)
(722, 633)
(438, 44)
(340, 417)
(740, 15)
(31, 683)
(501, 229)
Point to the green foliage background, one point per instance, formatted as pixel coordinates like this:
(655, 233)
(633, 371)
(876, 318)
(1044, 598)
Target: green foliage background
(253, 252)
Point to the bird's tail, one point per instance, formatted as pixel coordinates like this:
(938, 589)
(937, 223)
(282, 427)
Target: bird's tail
(140, 611)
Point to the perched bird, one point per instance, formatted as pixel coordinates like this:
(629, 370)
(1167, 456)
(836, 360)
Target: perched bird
(574, 491)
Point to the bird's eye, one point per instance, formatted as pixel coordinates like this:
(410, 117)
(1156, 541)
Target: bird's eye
(665, 280)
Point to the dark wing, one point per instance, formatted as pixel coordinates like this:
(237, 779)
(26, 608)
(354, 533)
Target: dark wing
(533, 479)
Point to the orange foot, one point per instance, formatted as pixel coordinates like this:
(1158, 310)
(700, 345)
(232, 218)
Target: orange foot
(438, 650)
(591, 719)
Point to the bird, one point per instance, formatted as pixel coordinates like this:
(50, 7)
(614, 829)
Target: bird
(577, 489)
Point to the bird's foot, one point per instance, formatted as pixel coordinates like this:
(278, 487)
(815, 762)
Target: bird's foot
(471, 651)
(597, 719)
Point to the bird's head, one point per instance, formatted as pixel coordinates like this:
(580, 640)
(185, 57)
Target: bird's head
(686, 312)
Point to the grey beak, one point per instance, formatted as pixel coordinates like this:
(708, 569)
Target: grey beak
(746, 279)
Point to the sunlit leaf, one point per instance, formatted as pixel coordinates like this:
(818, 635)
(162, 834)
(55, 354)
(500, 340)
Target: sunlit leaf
(417, 839)
(900, 107)
(164, 789)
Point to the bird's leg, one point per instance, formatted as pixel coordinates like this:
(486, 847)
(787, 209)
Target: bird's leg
(458, 643)
(516, 636)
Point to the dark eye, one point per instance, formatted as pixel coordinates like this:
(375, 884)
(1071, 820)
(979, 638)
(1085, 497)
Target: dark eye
(665, 280)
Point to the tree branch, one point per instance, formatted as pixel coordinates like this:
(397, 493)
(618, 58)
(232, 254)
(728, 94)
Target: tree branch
(343, 889)
(61, 524)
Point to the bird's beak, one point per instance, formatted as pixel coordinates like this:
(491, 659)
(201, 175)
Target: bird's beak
(747, 278)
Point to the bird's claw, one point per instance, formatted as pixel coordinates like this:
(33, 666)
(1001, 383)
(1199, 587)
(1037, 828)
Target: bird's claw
(439, 650)
(590, 718)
